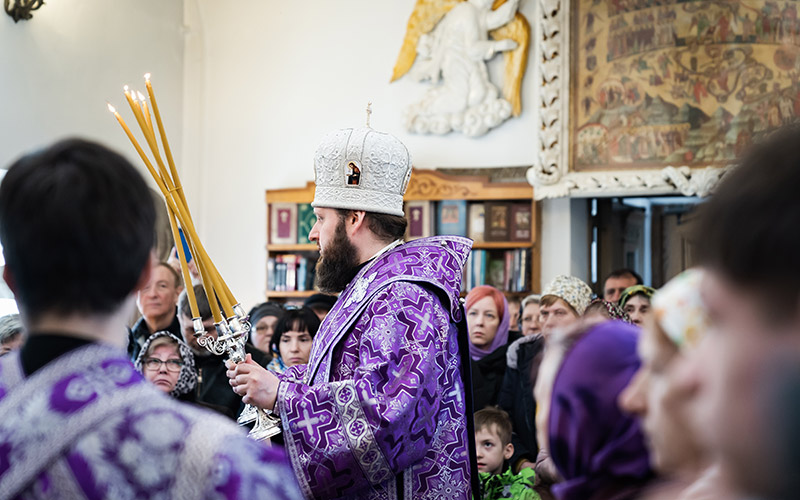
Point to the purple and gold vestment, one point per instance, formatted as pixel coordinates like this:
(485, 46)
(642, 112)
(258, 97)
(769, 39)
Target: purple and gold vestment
(379, 411)
(87, 425)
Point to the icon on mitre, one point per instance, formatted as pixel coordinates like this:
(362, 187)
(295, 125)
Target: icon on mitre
(353, 174)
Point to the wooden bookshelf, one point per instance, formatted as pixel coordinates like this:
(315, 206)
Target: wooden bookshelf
(429, 185)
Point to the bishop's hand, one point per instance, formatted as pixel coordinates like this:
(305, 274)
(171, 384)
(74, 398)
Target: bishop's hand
(257, 385)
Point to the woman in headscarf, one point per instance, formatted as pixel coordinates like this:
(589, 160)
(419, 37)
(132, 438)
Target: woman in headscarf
(488, 324)
(166, 361)
(598, 449)
(664, 391)
(635, 302)
(291, 342)
(603, 309)
(263, 319)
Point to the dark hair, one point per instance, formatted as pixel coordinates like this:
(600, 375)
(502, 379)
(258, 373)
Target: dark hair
(621, 273)
(203, 307)
(492, 415)
(748, 229)
(384, 226)
(295, 320)
(77, 227)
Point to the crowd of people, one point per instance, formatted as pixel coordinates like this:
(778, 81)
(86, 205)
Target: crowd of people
(690, 391)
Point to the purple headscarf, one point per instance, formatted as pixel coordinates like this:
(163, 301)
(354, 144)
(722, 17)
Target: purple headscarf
(597, 448)
(501, 337)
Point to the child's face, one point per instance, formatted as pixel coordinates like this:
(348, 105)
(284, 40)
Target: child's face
(490, 450)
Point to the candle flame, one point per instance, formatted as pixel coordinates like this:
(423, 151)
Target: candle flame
(140, 95)
(125, 88)
(133, 96)
(111, 108)
(147, 77)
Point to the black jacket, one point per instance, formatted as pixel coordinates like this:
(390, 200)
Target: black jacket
(516, 395)
(487, 375)
(213, 388)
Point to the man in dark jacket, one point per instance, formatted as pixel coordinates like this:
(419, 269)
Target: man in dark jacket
(157, 303)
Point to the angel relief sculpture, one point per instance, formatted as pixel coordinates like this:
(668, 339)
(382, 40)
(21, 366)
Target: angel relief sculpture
(449, 42)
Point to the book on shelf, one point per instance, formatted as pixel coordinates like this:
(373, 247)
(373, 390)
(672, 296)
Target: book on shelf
(290, 273)
(283, 223)
(452, 217)
(520, 226)
(476, 222)
(420, 219)
(506, 270)
(305, 221)
(497, 221)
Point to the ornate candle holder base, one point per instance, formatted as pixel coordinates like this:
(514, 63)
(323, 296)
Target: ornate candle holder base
(267, 425)
(249, 415)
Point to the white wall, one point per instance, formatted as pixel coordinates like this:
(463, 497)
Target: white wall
(59, 68)
(565, 239)
(267, 79)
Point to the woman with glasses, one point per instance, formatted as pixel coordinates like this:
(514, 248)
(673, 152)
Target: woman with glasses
(167, 362)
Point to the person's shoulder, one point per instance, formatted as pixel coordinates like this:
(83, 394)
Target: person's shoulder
(248, 469)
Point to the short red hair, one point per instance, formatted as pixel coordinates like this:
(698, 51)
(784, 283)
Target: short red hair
(483, 291)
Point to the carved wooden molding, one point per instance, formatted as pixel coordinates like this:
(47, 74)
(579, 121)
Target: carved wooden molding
(428, 185)
(435, 185)
(550, 175)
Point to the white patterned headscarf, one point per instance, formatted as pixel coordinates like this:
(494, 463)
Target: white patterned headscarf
(571, 290)
(187, 380)
(680, 311)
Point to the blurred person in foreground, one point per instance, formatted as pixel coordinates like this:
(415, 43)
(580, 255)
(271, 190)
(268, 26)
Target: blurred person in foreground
(78, 420)
(598, 450)
(663, 393)
(750, 247)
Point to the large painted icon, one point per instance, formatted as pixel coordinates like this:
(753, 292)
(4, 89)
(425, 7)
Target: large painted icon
(690, 82)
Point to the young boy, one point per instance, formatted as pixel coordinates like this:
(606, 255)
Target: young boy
(493, 446)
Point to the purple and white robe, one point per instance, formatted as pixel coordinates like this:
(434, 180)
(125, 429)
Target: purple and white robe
(379, 411)
(87, 425)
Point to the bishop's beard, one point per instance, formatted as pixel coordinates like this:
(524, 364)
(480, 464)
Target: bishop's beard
(338, 263)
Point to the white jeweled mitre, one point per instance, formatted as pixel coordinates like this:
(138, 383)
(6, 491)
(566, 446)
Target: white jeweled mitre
(361, 169)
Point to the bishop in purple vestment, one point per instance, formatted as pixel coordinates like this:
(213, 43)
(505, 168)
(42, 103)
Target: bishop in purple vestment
(379, 412)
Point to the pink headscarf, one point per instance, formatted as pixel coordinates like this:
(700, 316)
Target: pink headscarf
(501, 337)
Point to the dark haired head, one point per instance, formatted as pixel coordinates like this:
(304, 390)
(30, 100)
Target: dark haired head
(494, 419)
(203, 307)
(624, 272)
(748, 230)
(77, 226)
(301, 319)
(386, 227)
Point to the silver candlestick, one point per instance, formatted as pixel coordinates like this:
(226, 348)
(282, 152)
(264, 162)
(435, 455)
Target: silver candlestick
(231, 338)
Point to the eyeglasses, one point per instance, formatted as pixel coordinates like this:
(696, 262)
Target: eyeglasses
(173, 365)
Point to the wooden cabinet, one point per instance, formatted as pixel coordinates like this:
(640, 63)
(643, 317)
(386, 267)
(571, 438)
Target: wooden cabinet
(432, 186)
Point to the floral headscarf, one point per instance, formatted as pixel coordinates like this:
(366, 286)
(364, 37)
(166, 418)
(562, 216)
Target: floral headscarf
(187, 380)
(571, 290)
(680, 311)
(629, 292)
